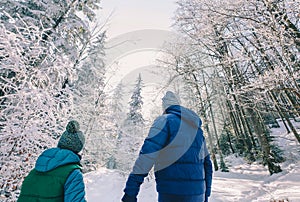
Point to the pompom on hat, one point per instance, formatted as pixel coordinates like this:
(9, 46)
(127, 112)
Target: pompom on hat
(170, 99)
(72, 139)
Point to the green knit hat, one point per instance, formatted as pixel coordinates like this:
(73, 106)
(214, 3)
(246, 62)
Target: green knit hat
(72, 139)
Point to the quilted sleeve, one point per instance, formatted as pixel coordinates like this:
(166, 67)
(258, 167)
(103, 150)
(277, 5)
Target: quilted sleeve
(74, 187)
(155, 141)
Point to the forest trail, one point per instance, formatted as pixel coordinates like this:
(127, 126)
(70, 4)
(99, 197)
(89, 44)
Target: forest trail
(245, 182)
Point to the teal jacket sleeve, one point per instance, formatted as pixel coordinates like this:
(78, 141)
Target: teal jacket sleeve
(74, 187)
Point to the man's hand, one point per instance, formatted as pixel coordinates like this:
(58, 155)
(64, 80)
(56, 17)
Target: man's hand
(206, 198)
(127, 198)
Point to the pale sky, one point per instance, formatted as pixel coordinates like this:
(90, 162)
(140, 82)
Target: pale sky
(127, 16)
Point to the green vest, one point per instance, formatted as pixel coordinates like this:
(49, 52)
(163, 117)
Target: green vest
(46, 186)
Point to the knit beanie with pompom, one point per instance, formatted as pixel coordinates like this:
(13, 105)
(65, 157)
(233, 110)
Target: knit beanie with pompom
(72, 139)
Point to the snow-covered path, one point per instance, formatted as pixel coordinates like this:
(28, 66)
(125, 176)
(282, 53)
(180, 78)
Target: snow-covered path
(244, 183)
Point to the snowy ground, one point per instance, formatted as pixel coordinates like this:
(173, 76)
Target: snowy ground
(244, 182)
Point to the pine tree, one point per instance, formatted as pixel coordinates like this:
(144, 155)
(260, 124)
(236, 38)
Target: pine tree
(117, 115)
(135, 115)
(89, 100)
(132, 135)
(117, 107)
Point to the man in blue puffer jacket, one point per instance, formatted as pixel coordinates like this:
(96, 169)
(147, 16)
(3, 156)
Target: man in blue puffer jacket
(57, 174)
(176, 148)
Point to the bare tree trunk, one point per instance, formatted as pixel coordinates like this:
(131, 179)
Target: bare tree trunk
(222, 163)
(265, 146)
(211, 146)
(285, 117)
(225, 127)
(203, 113)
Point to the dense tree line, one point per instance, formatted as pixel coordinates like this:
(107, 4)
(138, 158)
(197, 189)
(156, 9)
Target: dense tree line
(51, 58)
(241, 60)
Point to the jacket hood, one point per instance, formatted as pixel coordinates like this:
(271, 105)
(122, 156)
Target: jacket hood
(55, 157)
(185, 114)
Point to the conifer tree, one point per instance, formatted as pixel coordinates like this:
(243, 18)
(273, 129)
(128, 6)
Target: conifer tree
(135, 115)
(117, 117)
(132, 135)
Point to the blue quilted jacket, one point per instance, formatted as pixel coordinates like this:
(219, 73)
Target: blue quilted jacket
(176, 148)
(55, 157)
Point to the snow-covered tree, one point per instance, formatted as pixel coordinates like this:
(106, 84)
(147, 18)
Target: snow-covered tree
(89, 98)
(33, 105)
(117, 103)
(40, 53)
(63, 22)
(117, 116)
(133, 129)
(244, 41)
(135, 105)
